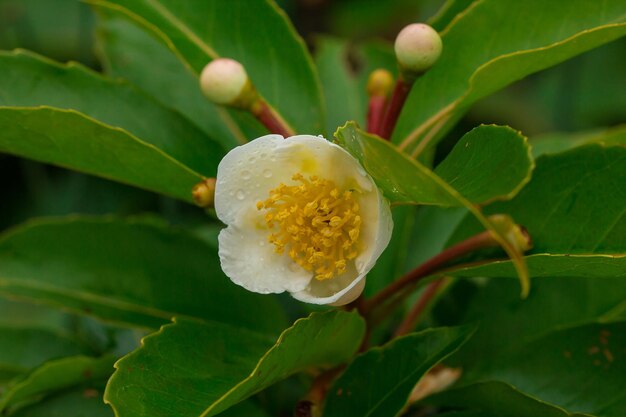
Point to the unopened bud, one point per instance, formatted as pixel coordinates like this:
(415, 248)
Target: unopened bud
(417, 47)
(379, 83)
(204, 193)
(225, 81)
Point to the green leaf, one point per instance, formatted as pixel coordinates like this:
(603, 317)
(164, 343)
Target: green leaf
(245, 408)
(505, 322)
(573, 205)
(580, 369)
(379, 382)
(493, 44)
(56, 375)
(341, 92)
(495, 399)
(191, 368)
(488, 163)
(23, 348)
(130, 51)
(59, 137)
(558, 142)
(405, 180)
(448, 12)
(139, 273)
(32, 81)
(80, 402)
(550, 266)
(276, 60)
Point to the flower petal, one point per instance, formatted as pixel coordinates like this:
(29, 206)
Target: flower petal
(376, 233)
(249, 261)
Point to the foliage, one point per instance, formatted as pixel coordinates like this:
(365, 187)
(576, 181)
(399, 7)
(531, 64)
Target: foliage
(115, 295)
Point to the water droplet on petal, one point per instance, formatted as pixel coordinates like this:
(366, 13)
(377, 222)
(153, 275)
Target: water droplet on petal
(245, 174)
(267, 173)
(240, 194)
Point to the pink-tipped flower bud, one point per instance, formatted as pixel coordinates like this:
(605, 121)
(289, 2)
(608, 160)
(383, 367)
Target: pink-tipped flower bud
(225, 81)
(418, 47)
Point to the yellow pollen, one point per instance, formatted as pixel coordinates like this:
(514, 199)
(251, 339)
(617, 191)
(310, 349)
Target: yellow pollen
(317, 225)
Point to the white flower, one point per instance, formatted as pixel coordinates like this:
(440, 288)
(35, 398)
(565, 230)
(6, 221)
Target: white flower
(302, 216)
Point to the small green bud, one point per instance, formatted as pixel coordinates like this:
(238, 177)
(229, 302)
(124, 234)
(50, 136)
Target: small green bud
(225, 81)
(417, 47)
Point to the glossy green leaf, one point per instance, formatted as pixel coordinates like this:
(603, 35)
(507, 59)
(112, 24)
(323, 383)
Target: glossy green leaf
(56, 375)
(495, 399)
(341, 91)
(550, 266)
(505, 322)
(558, 142)
(573, 205)
(488, 163)
(139, 273)
(84, 401)
(32, 81)
(448, 12)
(245, 408)
(23, 348)
(210, 367)
(130, 51)
(493, 44)
(580, 369)
(405, 180)
(59, 137)
(276, 60)
(379, 382)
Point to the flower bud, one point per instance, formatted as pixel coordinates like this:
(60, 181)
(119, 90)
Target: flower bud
(379, 83)
(225, 81)
(204, 193)
(417, 47)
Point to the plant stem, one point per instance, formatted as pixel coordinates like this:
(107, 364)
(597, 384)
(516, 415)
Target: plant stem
(375, 113)
(414, 314)
(314, 399)
(479, 241)
(400, 93)
(270, 119)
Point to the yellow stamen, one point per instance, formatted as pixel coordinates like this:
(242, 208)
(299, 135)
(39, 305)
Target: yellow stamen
(315, 223)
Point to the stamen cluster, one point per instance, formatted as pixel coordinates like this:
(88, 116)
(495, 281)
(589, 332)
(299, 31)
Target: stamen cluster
(315, 223)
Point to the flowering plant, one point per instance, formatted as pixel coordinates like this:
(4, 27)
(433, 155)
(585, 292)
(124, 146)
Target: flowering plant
(435, 263)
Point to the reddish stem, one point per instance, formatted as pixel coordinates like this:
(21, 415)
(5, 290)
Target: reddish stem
(375, 113)
(413, 316)
(479, 241)
(270, 119)
(400, 93)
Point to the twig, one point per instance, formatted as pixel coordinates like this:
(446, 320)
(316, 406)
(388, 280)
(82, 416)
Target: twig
(414, 314)
(479, 241)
